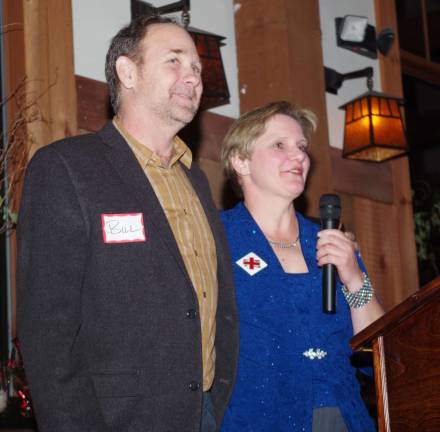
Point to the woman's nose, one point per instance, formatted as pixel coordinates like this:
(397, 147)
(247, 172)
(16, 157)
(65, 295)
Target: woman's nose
(296, 153)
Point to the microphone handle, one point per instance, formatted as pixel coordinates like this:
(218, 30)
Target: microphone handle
(329, 276)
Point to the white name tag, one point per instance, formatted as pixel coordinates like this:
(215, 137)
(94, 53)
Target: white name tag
(123, 228)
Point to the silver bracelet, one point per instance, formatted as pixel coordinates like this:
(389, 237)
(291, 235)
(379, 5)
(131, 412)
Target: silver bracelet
(361, 297)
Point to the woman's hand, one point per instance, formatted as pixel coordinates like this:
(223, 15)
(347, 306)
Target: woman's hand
(339, 248)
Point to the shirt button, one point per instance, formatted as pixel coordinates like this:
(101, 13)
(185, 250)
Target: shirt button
(191, 313)
(194, 385)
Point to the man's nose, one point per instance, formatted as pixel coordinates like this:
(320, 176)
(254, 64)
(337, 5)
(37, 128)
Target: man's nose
(192, 77)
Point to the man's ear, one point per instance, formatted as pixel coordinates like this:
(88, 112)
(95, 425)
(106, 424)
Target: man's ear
(127, 71)
(240, 165)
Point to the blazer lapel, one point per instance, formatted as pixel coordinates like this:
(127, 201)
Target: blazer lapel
(129, 170)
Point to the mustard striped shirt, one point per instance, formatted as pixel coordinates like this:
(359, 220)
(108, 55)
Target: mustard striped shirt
(191, 231)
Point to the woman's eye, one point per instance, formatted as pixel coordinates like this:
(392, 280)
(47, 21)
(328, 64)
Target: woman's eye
(303, 147)
(278, 145)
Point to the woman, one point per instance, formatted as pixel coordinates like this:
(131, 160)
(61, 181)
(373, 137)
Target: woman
(294, 370)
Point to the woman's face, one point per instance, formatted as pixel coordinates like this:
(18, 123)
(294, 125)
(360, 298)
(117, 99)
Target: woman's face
(279, 163)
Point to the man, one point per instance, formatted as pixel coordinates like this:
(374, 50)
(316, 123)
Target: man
(126, 310)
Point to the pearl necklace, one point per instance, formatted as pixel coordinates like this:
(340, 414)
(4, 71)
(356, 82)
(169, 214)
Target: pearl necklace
(282, 245)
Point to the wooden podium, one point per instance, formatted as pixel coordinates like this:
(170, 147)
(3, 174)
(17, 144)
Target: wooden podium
(406, 353)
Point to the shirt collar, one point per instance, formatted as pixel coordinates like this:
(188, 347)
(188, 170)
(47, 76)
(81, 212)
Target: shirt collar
(181, 151)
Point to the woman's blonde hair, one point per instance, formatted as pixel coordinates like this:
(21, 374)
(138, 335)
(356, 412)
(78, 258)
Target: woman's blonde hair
(242, 134)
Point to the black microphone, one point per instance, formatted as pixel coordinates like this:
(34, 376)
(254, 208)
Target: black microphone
(330, 212)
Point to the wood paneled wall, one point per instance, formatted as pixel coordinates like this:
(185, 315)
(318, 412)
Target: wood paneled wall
(280, 57)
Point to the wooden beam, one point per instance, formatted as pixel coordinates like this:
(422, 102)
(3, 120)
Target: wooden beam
(13, 44)
(48, 37)
(280, 58)
(400, 219)
(420, 68)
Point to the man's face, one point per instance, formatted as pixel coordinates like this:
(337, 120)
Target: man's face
(169, 84)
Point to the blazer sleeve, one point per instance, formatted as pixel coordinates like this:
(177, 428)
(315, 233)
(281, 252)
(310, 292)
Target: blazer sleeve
(52, 251)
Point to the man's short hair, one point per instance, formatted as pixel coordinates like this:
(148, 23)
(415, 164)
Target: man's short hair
(128, 42)
(241, 136)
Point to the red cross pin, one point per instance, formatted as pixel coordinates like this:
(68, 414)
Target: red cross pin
(251, 263)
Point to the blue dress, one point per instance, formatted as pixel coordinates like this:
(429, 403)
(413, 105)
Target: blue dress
(293, 357)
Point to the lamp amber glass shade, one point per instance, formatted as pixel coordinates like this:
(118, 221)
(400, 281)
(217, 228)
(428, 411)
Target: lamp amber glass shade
(373, 128)
(215, 87)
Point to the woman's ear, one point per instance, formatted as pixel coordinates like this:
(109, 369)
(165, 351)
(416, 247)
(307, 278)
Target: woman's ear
(240, 165)
(126, 70)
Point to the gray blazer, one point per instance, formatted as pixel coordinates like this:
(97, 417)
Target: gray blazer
(110, 332)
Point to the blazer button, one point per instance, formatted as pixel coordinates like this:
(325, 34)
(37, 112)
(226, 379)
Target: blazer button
(191, 313)
(194, 385)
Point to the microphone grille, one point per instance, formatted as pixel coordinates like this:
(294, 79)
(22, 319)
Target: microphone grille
(330, 206)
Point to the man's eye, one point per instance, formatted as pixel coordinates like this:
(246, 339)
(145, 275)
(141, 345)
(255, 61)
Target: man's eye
(278, 145)
(173, 60)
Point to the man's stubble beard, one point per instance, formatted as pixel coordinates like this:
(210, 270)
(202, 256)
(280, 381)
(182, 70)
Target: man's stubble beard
(174, 113)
